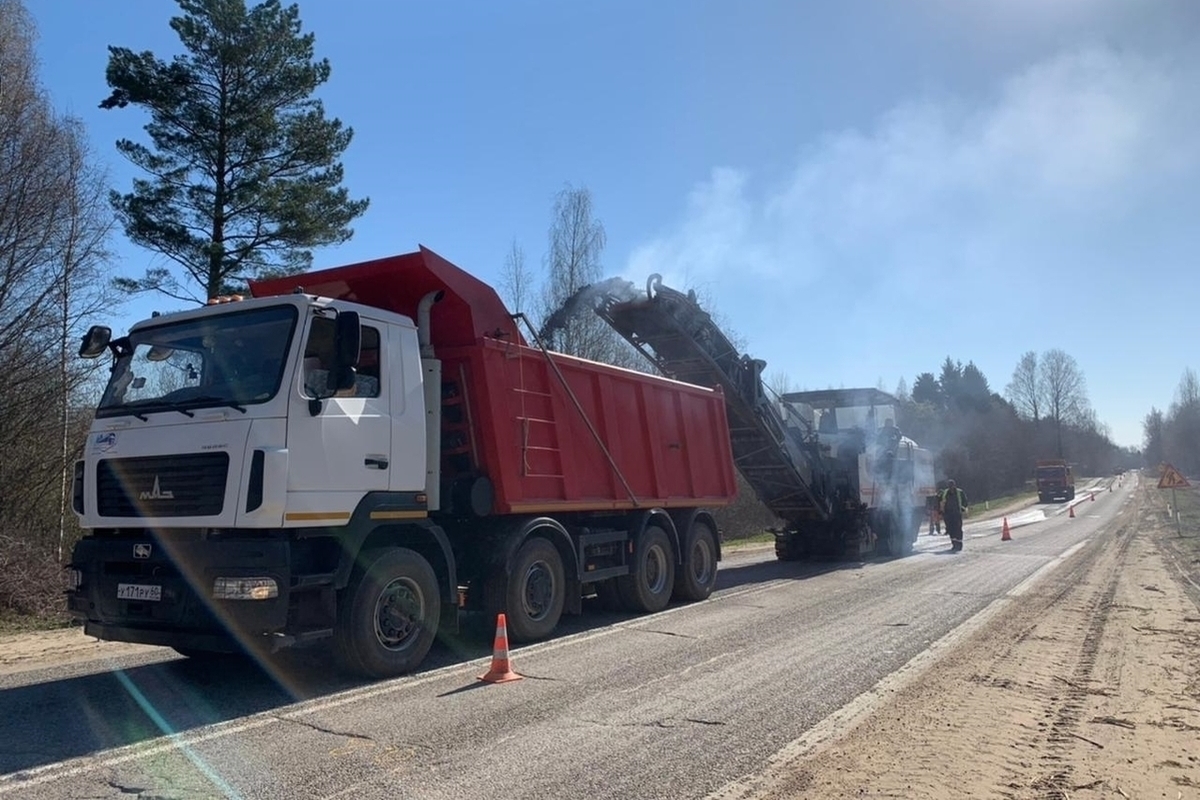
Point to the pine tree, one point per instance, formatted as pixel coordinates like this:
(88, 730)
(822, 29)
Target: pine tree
(244, 176)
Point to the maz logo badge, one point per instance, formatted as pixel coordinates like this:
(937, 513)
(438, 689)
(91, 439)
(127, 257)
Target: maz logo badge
(141, 551)
(156, 493)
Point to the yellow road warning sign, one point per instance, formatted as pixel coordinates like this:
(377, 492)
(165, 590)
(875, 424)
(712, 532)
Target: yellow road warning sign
(1172, 479)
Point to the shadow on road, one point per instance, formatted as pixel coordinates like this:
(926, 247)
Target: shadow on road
(64, 718)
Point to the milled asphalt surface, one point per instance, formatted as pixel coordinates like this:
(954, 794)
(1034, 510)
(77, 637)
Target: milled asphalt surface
(674, 705)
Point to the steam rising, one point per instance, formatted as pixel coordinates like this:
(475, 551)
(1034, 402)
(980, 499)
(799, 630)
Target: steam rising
(585, 300)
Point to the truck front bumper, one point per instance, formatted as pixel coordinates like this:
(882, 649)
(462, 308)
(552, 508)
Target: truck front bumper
(159, 590)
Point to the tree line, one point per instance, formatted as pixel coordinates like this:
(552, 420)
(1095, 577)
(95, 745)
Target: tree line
(988, 441)
(1173, 436)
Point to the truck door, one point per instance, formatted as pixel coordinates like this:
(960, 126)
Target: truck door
(345, 449)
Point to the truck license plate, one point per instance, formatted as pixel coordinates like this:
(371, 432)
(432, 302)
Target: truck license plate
(138, 591)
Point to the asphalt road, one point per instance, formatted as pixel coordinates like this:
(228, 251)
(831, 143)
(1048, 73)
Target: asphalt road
(673, 705)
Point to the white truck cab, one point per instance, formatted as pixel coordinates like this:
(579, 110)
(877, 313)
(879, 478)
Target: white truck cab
(231, 416)
(240, 456)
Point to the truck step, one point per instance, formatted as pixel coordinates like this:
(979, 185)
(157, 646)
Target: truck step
(309, 581)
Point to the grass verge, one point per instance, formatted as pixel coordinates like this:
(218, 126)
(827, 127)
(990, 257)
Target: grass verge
(12, 622)
(742, 542)
(1013, 499)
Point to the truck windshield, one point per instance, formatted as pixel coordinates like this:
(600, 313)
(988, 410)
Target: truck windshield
(231, 359)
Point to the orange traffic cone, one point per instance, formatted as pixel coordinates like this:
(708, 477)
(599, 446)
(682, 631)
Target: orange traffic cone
(1072, 514)
(501, 671)
(1004, 534)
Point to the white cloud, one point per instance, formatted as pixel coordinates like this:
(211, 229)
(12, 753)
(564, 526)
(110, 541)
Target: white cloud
(1067, 142)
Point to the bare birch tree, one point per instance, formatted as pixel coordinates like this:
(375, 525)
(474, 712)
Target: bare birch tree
(516, 281)
(576, 241)
(780, 383)
(1024, 391)
(1063, 390)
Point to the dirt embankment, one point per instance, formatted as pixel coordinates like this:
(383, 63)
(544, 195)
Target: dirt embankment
(1089, 688)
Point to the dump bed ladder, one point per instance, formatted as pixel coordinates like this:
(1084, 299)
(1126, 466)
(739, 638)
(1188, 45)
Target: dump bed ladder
(670, 328)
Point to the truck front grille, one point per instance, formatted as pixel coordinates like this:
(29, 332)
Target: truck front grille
(191, 485)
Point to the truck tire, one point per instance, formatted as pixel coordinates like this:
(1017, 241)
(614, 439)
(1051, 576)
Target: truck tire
(698, 574)
(388, 614)
(649, 588)
(1070, 495)
(537, 591)
(790, 548)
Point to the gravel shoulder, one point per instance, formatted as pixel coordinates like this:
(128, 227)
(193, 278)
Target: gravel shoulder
(1087, 687)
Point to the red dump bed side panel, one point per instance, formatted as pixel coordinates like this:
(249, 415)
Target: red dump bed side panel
(469, 310)
(669, 441)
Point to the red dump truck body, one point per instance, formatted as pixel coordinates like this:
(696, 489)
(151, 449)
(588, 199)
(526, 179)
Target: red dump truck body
(668, 441)
(553, 433)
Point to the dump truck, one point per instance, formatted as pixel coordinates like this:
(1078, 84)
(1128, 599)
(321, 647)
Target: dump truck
(832, 465)
(356, 454)
(1055, 480)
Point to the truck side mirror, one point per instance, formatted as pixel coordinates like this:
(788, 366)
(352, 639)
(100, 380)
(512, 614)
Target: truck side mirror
(95, 341)
(348, 346)
(349, 339)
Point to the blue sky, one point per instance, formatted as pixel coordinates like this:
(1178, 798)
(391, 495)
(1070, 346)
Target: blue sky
(862, 188)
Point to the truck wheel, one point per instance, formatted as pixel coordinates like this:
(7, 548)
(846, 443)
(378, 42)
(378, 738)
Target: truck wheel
(388, 615)
(698, 576)
(790, 547)
(536, 591)
(649, 590)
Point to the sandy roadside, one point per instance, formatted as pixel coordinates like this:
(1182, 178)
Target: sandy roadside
(20, 652)
(1089, 688)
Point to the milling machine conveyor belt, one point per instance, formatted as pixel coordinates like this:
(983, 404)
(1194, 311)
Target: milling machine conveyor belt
(681, 339)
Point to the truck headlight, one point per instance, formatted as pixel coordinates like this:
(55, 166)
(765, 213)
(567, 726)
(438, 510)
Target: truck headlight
(74, 579)
(245, 589)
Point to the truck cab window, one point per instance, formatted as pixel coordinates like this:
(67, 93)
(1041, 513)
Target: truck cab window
(318, 361)
(367, 379)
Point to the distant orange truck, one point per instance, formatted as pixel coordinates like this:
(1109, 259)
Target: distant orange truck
(1055, 480)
